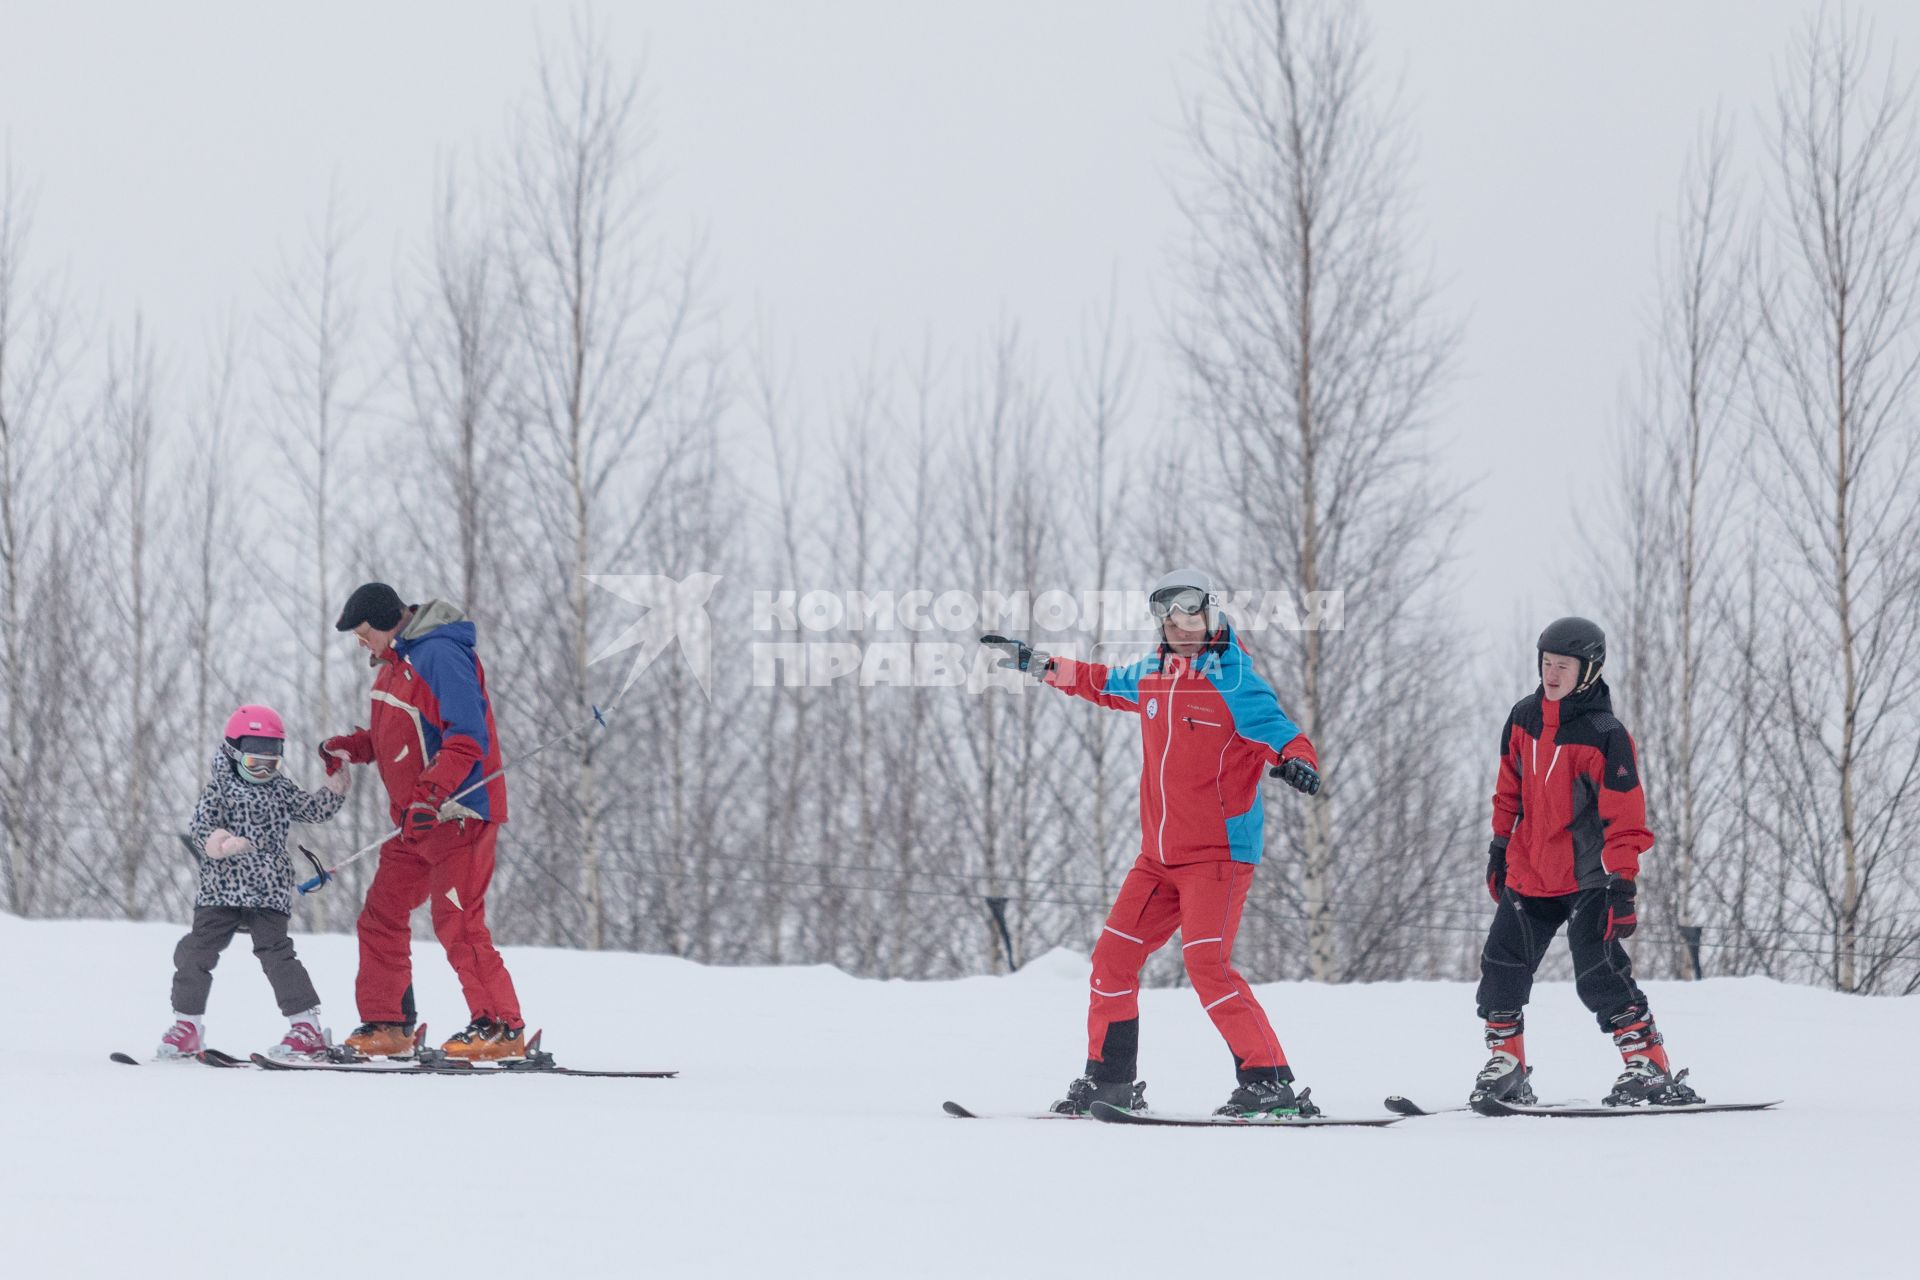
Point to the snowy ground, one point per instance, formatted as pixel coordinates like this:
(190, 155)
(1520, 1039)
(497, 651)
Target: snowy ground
(804, 1137)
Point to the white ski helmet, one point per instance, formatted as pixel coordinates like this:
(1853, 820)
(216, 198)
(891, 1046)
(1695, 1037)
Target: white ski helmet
(1185, 591)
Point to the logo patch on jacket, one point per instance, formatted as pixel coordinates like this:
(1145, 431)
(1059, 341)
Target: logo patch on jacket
(1153, 707)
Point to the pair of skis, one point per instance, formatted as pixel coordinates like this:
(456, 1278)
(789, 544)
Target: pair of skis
(1115, 1115)
(423, 1062)
(1402, 1109)
(1493, 1107)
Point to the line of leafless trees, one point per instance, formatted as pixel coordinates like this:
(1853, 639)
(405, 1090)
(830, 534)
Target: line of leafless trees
(1765, 562)
(546, 392)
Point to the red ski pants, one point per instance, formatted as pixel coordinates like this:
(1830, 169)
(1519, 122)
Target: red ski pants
(1203, 900)
(453, 866)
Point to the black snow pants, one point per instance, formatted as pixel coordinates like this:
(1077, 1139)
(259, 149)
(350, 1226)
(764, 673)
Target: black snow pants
(1522, 930)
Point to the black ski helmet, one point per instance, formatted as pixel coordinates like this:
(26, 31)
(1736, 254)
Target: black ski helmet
(1576, 638)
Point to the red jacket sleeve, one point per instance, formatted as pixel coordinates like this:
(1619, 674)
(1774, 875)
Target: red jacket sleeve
(1089, 680)
(1506, 787)
(1623, 808)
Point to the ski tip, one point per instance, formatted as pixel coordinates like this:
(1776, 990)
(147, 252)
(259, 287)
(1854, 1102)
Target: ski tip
(123, 1059)
(533, 1042)
(957, 1111)
(1402, 1106)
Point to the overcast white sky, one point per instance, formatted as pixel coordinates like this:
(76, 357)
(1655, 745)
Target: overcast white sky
(869, 172)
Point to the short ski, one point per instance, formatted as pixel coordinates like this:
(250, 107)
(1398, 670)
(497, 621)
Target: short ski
(1115, 1115)
(212, 1057)
(1491, 1107)
(1408, 1107)
(959, 1112)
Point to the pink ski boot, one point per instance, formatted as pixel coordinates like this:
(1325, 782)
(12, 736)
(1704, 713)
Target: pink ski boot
(181, 1041)
(304, 1041)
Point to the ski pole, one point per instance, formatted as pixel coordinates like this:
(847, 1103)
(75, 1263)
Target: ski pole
(323, 874)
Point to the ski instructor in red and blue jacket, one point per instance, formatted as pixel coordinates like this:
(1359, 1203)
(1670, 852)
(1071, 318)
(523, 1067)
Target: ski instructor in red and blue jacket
(431, 734)
(1211, 728)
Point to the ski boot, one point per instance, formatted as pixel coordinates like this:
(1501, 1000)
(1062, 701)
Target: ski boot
(1505, 1077)
(181, 1041)
(379, 1040)
(1268, 1098)
(1648, 1079)
(1084, 1092)
(304, 1041)
(1645, 1084)
(485, 1040)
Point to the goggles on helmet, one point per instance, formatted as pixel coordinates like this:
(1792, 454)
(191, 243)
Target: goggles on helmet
(1178, 600)
(258, 759)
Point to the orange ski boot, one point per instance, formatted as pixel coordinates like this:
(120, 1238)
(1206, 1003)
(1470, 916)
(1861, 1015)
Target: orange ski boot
(381, 1040)
(485, 1040)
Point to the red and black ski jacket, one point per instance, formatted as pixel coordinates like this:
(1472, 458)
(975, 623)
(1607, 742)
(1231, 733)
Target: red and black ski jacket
(1568, 801)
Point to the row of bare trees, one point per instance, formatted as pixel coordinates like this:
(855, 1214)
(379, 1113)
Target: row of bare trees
(1768, 568)
(552, 397)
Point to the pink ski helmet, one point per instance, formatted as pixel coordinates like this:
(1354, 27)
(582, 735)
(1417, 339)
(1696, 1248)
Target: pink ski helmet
(256, 721)
(255, 741)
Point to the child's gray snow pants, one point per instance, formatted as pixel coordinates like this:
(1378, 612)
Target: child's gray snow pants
(213, 929)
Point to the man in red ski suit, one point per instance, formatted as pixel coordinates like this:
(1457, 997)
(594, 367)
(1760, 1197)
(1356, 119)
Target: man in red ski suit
(1210, 727)
(431, 733)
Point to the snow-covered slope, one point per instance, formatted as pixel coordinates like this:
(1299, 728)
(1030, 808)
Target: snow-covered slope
(805, 1138)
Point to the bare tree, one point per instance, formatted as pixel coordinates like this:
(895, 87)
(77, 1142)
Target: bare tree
(1313, 358)
(31, 372)
(1838, 298)
(209, 518)
(1679, 492)
(125, 447)
(455, 347)
(318, 393)
(1106, 381)
(616, 389)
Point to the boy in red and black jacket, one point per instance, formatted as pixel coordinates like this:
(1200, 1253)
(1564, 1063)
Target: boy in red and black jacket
(1569, 826)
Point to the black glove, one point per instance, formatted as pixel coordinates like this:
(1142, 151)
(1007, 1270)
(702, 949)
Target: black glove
(1297, 774)
(1020, 656)
(1620, 918)
(422, 816)
(1496, 868)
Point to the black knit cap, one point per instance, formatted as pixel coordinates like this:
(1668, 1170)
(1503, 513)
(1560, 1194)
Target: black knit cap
(374, 603)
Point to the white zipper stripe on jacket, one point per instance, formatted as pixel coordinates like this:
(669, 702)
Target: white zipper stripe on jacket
(1129, 937)
(1160, 837)
(1555, 760)
(419, 728)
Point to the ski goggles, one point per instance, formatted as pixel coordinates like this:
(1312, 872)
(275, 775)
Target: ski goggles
(258, 758)
(1178, 600)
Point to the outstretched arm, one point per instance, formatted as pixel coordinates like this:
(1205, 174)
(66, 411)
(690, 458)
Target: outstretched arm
(1117, 688)
(313, 806)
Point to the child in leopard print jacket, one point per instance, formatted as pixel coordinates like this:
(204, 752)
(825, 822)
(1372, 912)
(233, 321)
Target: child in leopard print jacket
(246, 881)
